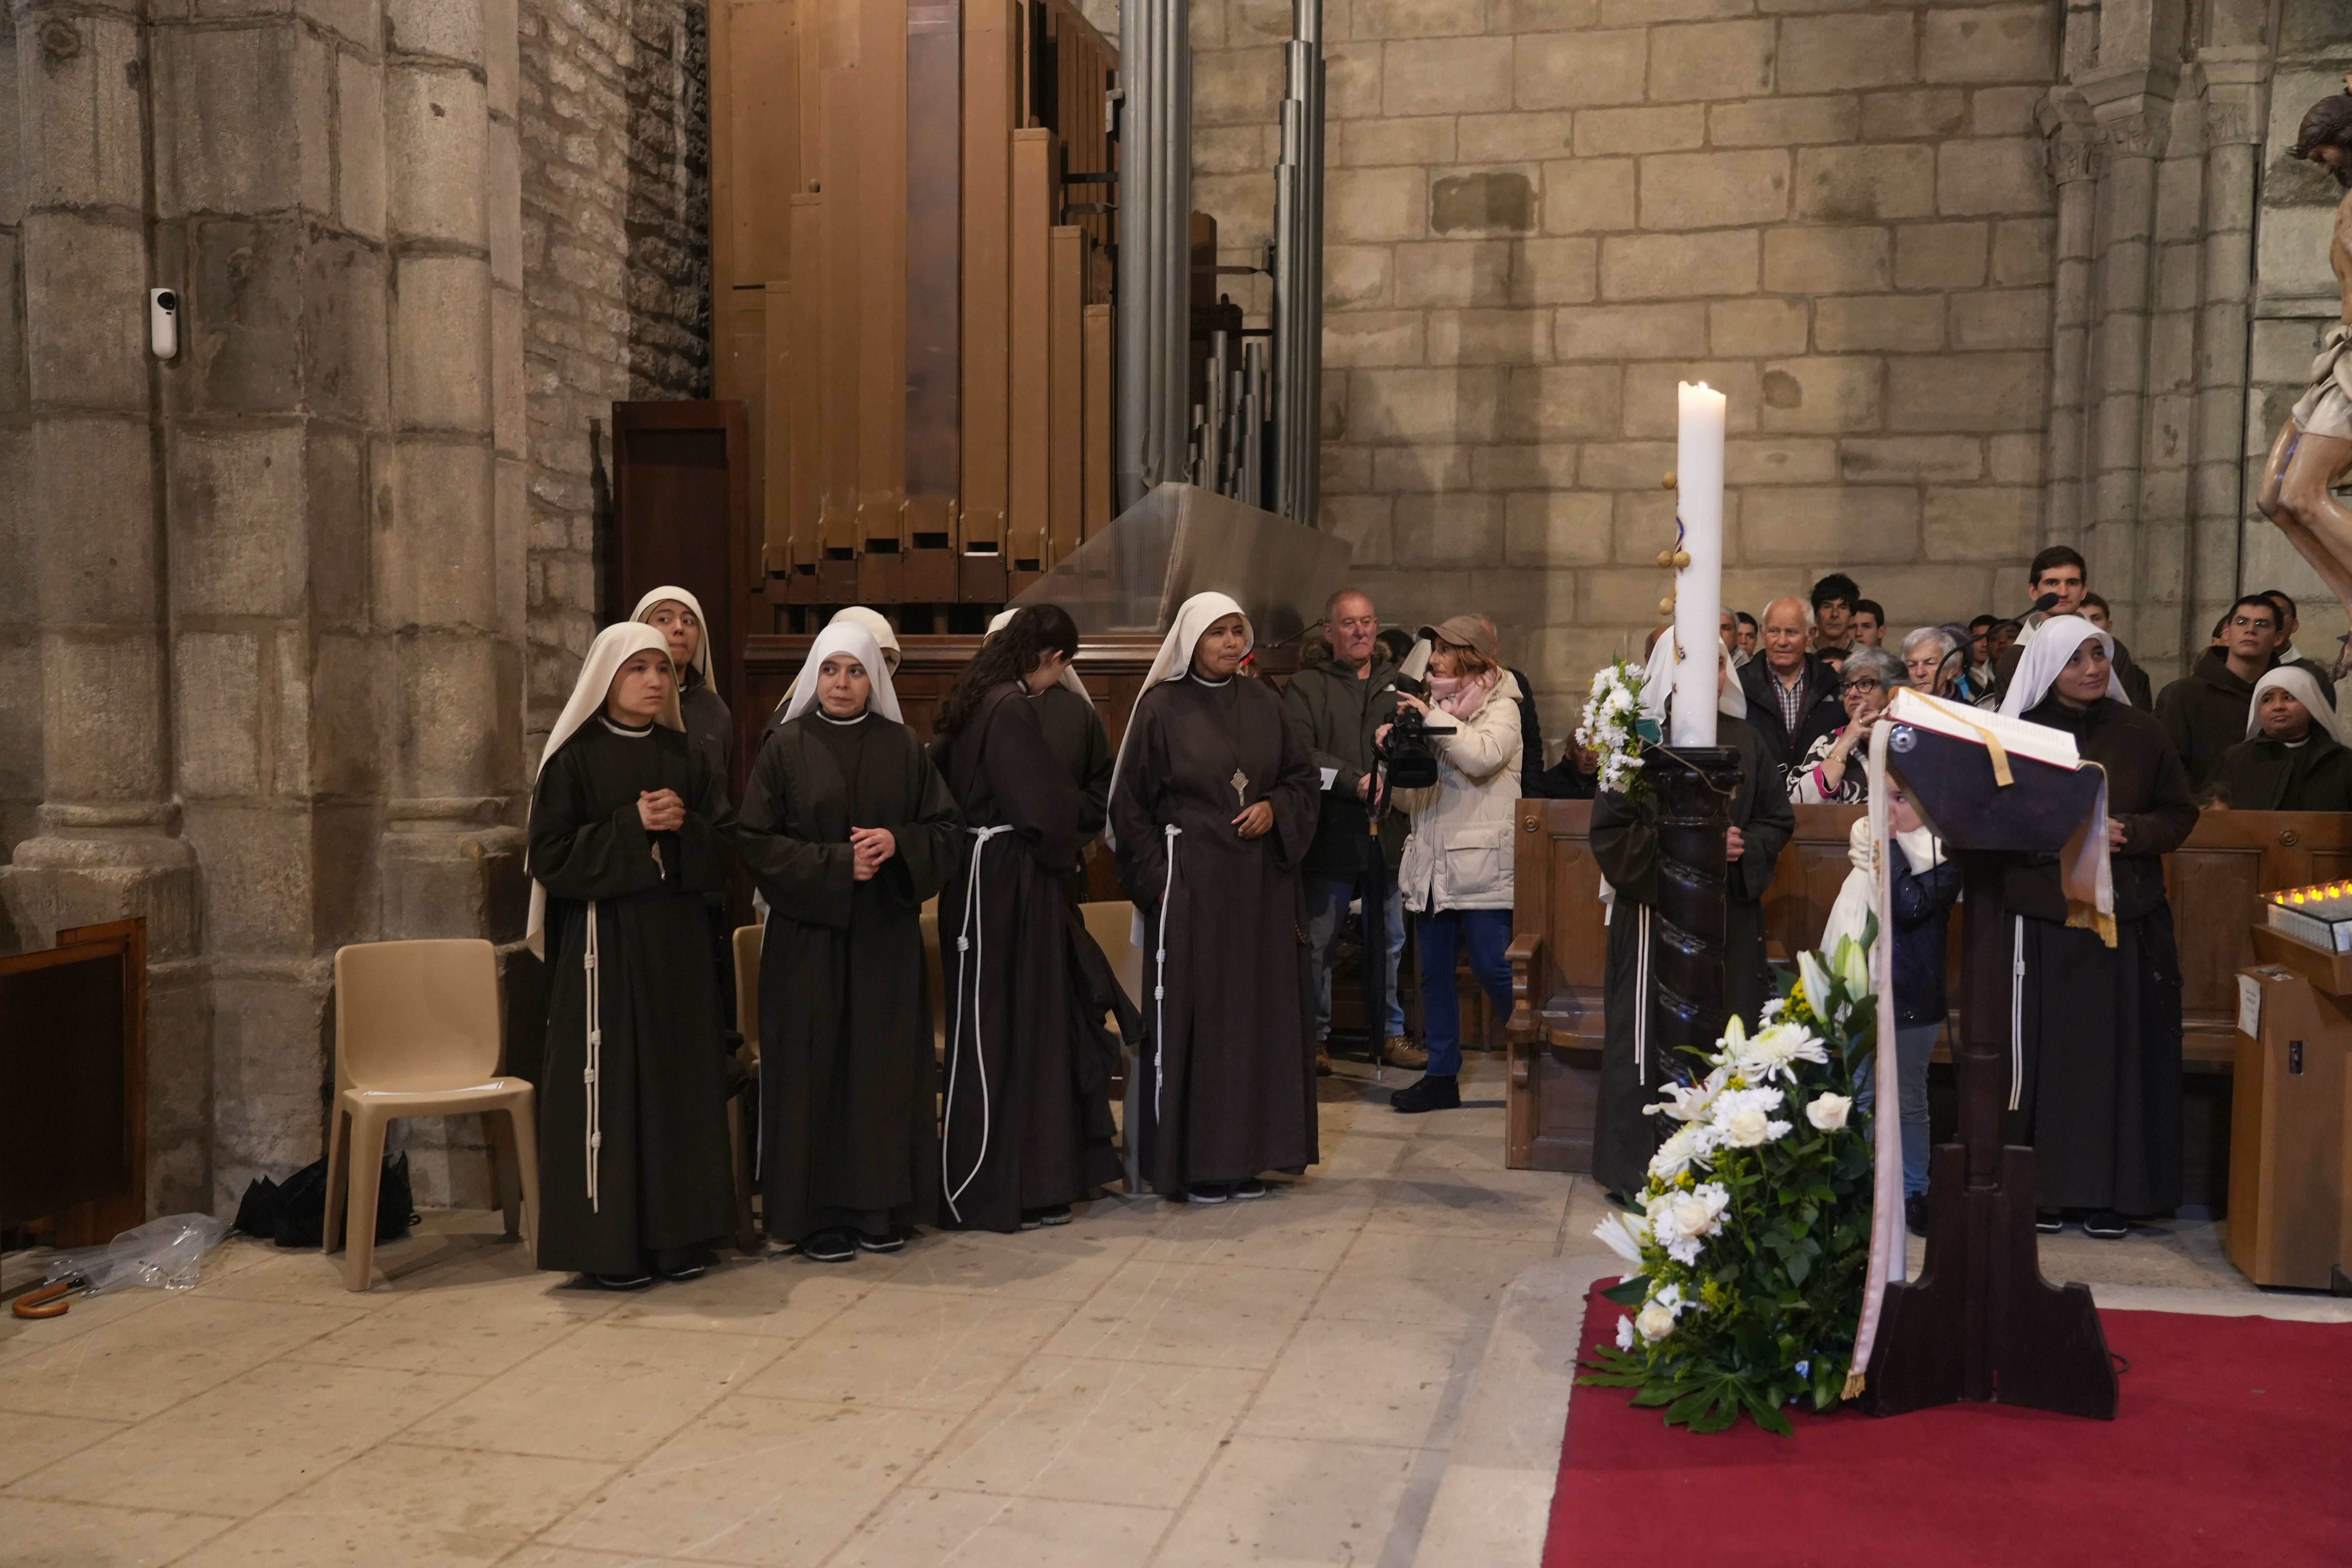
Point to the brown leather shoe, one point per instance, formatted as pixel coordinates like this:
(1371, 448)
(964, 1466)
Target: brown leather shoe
(1322, 1059)
(1403, 1053)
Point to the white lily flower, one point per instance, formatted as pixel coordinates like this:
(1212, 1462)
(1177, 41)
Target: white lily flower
(1816, 982)
(1623, 1234)
(1853, 966)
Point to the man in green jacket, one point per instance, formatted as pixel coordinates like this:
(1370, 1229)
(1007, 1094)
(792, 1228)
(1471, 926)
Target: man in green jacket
(1337, 706)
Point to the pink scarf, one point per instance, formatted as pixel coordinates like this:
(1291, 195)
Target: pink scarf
(1462, 696)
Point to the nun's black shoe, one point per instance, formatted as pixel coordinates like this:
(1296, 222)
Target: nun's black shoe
(830, 1246)
(1252, 1189)
(1914, 1213)
(866, 1243)
(1209, 1192)
(1435, 1091)
(685, 1272)
(1052, 1214)
(622, 1281)
(2106, 1225)
(2049, 1222)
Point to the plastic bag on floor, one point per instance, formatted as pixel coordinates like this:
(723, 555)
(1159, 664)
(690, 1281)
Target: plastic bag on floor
(167, 1252)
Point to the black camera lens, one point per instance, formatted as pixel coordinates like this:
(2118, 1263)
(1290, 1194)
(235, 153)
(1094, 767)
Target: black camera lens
(166, 300)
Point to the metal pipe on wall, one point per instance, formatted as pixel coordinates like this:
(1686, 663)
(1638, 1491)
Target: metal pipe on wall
(1298, 329)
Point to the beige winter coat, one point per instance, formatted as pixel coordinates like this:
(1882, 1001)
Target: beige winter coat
(1459, 856)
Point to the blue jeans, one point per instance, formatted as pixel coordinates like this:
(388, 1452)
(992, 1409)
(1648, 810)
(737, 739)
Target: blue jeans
(1487, 932)
(1914, 1044)
(1327, 904)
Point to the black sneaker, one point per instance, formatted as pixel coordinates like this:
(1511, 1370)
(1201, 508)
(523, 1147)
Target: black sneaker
(2106, 1225)
(868, 1243)
(622, 1281)
(2049, 1222)
(1209, 1192)
(830, 1246)
(685, 1272)
(1914, 1213)
(1249, 1189)
(1052, 1214)
(1435, 1091)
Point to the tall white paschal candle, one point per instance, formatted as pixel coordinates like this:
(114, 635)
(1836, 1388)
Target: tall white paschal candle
(1698, 587)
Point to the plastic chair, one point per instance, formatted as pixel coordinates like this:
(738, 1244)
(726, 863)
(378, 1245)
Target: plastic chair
(417, 1034)
(744, 1103)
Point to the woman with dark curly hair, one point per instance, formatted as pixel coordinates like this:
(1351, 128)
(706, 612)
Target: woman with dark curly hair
(1025, 1125)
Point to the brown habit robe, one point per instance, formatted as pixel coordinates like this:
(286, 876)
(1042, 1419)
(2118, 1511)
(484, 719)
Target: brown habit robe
(848, 1079)
(2100, 1026)
(1229, 1085)
(1026, 1119)
(663, 1189)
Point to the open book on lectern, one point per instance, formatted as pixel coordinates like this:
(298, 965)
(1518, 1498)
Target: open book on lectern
(1994, 784)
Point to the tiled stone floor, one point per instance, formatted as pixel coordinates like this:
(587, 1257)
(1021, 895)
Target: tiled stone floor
(1277, 1381)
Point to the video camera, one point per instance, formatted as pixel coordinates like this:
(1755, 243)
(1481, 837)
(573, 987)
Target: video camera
(1411, 760)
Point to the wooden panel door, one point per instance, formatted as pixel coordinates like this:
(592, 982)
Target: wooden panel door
(682, 514)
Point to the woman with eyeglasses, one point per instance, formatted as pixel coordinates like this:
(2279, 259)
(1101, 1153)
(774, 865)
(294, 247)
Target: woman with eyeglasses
(1832, 771)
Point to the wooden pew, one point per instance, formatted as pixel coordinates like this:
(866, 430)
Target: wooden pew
(1560, 943)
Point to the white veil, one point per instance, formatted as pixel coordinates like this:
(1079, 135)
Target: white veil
(842, 636)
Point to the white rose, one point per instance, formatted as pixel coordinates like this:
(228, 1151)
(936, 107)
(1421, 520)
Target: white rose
(1745, 1129)
(1654, 1323)
(1828, 1111)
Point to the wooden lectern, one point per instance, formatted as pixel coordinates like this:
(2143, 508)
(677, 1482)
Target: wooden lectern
(1980, 1322)
(2287, 1110)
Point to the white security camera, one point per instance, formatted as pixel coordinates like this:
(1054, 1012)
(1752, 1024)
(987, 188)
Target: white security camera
(163, 322)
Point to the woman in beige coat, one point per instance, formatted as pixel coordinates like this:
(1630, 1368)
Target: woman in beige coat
(1456, 875)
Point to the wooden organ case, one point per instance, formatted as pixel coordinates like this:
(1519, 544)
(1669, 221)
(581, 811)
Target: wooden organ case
(911, 216)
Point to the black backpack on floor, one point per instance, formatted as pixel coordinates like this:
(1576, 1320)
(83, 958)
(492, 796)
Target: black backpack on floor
(294, 1213)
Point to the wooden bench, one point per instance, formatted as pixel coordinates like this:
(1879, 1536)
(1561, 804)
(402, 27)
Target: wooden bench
(1560, 944)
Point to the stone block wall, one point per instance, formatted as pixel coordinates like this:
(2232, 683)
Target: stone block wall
(615, 191)
(1543, 213)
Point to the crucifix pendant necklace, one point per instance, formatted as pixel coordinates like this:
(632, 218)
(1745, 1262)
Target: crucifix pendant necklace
(1240, 781)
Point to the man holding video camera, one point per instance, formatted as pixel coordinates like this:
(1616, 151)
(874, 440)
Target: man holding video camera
(1336, 707)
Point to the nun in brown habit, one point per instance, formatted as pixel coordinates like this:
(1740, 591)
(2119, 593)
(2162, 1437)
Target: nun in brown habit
(1213, 805)
(627, 824)
(1026, 1128)
(847, 829)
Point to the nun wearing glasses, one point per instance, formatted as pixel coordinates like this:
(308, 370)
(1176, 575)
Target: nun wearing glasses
(847, 829)
(628, 827)
(1212, 803)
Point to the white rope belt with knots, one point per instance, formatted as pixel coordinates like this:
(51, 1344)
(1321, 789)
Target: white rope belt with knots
(588, 1074)
(1159, 978)
(968, 977)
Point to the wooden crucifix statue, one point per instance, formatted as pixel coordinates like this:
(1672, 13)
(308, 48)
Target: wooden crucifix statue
(2313, 447)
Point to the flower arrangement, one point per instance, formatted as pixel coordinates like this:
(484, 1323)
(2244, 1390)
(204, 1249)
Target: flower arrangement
(1753, 1243)
(1611, 725)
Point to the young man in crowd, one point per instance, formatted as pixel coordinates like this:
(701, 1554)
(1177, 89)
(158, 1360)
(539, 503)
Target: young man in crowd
(2204, 713)
(1834, 599)
(2060, 571)
(2135, 679)
(1745, 649)
(1792, 693)
(1869, 624)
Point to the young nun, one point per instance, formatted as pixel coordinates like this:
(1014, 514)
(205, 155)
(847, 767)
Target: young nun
(2098, 1088)
(2294, 757)
(1074, 733)
(875, 624)
(1026, 1127)
(1634, 1065)
(627, 824)
(678, 615)
(847, 829)
(1212, 805)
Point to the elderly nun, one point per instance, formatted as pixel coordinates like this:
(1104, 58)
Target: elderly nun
(847, 829)
(627, 824)
(1213, 805)
(1625, 842)
(2096, 1074)
(2293, 756)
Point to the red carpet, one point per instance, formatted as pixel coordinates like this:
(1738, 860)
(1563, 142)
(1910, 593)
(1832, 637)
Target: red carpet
(2234, 1446)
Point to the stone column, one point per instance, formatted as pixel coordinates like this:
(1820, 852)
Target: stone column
(2074, 153)
(109, 843)
(2237, 84)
